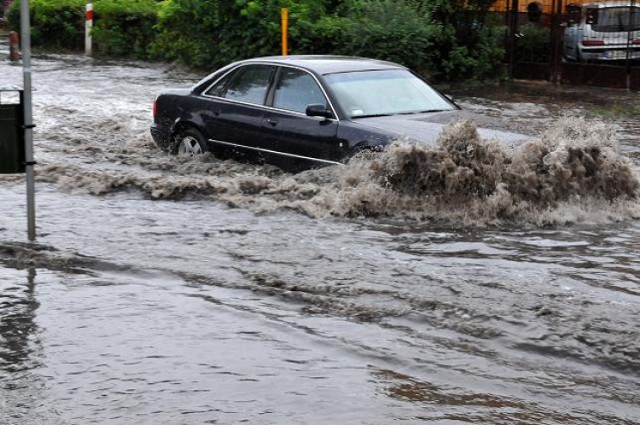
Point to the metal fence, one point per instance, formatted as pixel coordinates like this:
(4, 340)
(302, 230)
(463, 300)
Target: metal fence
(595, 43)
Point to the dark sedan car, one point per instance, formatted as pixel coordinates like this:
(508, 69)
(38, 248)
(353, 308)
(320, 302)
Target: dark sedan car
(315, 109)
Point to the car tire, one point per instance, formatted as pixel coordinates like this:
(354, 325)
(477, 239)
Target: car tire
(189, 142)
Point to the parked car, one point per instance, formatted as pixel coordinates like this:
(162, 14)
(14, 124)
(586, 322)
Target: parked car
(314, 109)
(603, 32)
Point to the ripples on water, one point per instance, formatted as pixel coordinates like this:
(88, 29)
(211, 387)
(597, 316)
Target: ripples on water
(375, 305)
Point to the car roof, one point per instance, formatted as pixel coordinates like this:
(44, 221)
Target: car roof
(323, 65)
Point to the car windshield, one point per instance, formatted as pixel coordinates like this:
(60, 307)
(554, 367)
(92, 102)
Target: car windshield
(388, 92)
(618, 19)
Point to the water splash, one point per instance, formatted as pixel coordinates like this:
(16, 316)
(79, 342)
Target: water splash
(574, 166)
(571, 173)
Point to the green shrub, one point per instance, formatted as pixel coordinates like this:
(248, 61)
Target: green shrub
(393, 30)
(190, 31)
(211, 33)
(441, 38)
(121, 27)
(54, 23)
(220, 32)
(533, 44)
(465, 47)
(125, 27)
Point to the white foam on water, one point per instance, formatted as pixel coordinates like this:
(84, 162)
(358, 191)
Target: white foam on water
(572, 173)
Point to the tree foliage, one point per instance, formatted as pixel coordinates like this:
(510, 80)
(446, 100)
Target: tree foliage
(445, 38)
(122, 27)
(55, 23)
(125, 27)
(211, 33)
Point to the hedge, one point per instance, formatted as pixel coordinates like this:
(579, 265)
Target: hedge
(445, 38)
(121, 28)
(54, 23)
(125, 27)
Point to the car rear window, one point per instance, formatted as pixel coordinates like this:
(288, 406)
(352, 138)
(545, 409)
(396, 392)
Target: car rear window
(617, 19)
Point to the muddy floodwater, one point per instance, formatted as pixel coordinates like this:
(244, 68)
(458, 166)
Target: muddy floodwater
(166, 290)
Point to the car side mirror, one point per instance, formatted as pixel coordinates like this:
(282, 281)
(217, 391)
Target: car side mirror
(318, 110)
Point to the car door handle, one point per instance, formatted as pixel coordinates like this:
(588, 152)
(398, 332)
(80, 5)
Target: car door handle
(272, 121)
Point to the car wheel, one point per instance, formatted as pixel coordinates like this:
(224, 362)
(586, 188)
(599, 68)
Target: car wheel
(189, 142)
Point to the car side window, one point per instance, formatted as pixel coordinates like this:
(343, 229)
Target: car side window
(296, 90)
(218, 88)
(249, 84)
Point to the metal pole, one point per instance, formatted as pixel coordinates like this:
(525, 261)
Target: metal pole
(28, 118)
(513, 27)
(284, 17)
(632, 25)
(507, 13)
(88, 25)
(552, 46)
(557, 34)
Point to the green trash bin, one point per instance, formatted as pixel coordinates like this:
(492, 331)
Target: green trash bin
(12, 158)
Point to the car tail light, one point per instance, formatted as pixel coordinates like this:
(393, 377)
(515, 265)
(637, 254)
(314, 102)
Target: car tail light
(155, 108)
(637, 41)
(593, 43)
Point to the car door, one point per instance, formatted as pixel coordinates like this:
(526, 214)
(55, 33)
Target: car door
(289, 129)
(236, 107)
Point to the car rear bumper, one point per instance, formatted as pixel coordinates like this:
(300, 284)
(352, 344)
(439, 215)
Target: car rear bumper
(618, 53)
(161, 136)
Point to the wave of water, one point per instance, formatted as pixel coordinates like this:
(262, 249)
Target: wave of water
(574, 165)
(571, 173)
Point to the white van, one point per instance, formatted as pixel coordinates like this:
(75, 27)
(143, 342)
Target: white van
(616, 27)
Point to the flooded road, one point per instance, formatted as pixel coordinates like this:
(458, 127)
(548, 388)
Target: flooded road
(178, 291)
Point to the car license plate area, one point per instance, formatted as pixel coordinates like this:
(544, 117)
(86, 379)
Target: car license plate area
(615, 54)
